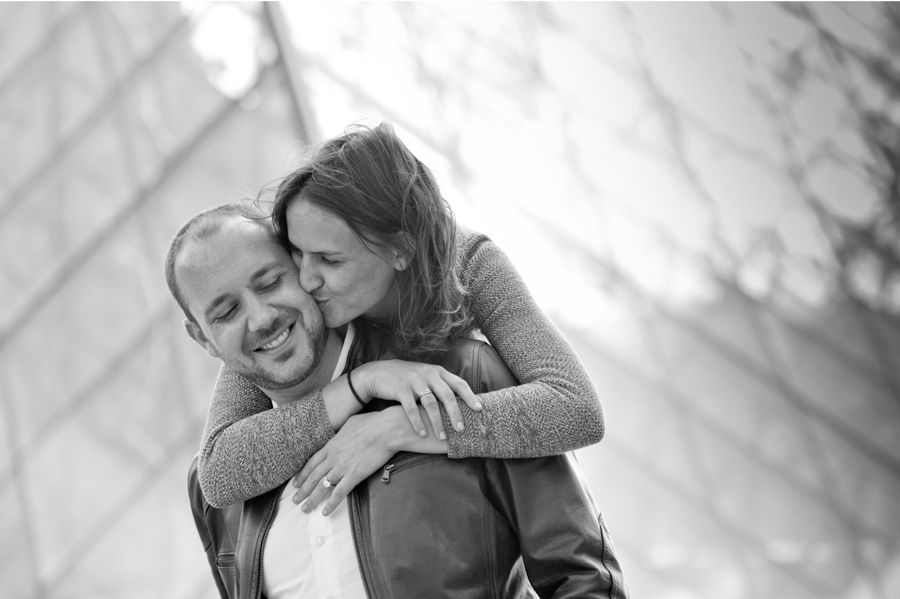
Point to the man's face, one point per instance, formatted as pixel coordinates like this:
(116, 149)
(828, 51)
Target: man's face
(243, 290)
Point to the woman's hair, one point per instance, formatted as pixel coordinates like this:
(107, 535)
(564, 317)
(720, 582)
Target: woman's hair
(390, 200)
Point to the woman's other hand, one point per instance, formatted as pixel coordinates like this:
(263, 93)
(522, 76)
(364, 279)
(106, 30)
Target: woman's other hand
(411, 382)
(362, 446)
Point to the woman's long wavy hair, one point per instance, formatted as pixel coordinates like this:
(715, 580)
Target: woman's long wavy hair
(390, 200)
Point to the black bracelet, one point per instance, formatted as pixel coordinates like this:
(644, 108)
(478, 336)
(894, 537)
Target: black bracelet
(352, 390)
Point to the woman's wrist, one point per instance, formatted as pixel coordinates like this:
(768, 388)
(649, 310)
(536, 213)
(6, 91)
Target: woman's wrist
(364, 380)
(340, 404)
(356, 396)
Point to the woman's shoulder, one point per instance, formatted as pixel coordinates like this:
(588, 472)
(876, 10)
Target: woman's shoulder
(466, 236)
(468, 242)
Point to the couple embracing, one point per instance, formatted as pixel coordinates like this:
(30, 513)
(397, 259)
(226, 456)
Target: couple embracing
(360, 441)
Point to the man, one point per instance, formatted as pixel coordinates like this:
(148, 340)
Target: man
(425, 525)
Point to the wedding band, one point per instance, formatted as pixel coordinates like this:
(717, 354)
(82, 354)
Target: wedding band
(327, 483)
(423, 393)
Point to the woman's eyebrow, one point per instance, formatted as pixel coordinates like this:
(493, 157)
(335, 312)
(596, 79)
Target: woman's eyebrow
(328, 252)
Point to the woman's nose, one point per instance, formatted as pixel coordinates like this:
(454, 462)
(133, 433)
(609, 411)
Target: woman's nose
(310, 278)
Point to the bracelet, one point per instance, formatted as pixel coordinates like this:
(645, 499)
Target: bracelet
(352, 390)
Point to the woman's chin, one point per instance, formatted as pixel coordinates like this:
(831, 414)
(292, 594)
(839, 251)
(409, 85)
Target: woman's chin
(334, 320)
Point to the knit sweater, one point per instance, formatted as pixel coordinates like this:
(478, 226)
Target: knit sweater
(249, 448)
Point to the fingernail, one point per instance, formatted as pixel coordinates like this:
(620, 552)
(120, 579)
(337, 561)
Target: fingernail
(325, 512)
(477, 405)
(305, 509)
(422, 433)
(442, 436)
(459, 426)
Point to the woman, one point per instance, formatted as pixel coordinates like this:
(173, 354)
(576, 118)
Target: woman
(375, 241)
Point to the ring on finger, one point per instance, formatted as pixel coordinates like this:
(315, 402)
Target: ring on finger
(424, 392)
(326, 482)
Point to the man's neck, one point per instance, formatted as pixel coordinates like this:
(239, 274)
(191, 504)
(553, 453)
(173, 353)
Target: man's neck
(319, 378)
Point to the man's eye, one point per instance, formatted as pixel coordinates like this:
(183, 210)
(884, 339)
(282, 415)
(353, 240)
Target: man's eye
(327, 261)
(271, 286)
(226, 316)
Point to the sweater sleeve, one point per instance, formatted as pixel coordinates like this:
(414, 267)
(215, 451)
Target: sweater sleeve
(249, 448)
(556, 408)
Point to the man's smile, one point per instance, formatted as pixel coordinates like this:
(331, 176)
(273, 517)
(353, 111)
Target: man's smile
(277, 340)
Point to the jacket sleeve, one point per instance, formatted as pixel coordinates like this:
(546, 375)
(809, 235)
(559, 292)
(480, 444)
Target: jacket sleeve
(565, 545)
(197, 509)
(556, 408)
(248, 447)
(566, 548)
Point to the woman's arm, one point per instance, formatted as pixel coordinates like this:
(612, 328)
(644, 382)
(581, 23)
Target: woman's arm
(249, 448)
(556, 407)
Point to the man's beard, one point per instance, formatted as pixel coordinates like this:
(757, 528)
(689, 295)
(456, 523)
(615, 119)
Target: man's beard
(316, 341)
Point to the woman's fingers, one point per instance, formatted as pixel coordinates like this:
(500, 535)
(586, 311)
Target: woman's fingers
(320, 492)
(412, 412)
(405, 383)
(461, 388)
(430, 403)
(445, 395)
(312, 482)
(311, 464)
(347, 484)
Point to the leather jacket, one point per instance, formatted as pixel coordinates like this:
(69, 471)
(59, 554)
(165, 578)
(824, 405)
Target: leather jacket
(426, 525)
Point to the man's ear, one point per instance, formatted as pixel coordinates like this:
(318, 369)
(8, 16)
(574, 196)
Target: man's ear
(196, 333)
(402, 251)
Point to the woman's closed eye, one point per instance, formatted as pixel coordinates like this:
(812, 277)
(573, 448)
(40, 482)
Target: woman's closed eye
(328, 261)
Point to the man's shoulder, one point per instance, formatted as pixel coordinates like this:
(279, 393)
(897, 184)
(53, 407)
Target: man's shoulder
(479, 364)
(198, 501)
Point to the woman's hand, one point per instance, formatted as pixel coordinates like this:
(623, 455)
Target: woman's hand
(362, 446)
(409, 382)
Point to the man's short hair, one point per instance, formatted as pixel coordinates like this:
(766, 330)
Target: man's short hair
(203, 226)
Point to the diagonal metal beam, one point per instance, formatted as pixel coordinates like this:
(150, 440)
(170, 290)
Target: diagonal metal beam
(14, 198)
(22, 449)
(53, 36)
(103, 527)
(307, 126)
(76, 260)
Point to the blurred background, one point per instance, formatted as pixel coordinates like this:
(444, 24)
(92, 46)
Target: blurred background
(703, 197)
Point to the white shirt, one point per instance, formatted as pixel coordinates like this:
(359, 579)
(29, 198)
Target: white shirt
(311, 555)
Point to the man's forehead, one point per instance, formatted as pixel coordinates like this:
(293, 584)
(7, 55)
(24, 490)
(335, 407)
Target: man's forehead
(237, 234)
(231, 256)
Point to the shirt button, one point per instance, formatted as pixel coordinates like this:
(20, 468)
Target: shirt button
(320, 540)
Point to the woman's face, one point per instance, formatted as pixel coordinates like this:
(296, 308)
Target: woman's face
(345, 278)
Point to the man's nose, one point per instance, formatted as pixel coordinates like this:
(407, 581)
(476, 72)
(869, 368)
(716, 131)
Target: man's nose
(310, 277)
(261, 315)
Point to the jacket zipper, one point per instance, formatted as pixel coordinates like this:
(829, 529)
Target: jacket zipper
(407, 460)
(262, 546)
